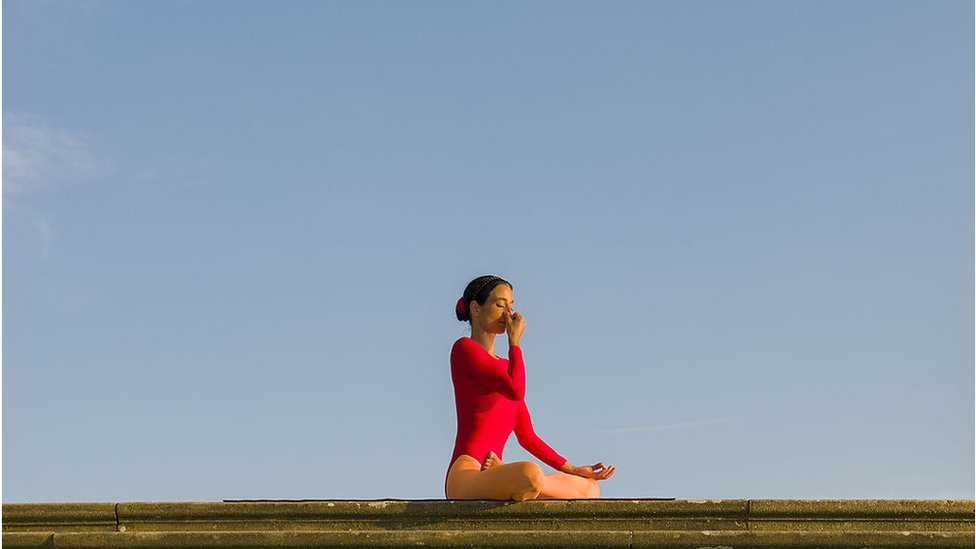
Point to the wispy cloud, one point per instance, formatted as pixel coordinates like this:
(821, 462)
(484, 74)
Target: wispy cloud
(38, 156)
(692, 424)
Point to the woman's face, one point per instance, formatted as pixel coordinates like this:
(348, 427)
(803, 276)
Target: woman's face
(493, 314)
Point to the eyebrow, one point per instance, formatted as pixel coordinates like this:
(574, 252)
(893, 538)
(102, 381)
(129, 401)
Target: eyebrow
(504, 299)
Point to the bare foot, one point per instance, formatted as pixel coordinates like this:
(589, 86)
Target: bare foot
(491, 460)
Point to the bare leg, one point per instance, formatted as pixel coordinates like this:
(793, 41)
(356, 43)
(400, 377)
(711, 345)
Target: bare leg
(566, 486)
(557, 485)
(518, 480)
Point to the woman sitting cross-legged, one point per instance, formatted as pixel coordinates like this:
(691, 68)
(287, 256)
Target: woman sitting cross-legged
(489, 394)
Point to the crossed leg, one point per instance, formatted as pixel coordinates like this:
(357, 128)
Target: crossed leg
(566, 486)
(518, 480)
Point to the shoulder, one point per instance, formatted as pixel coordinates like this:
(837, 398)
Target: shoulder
(464, 345)
(461, 352)
(468, 349)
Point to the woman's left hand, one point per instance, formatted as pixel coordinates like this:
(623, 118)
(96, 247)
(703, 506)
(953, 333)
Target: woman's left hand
(596, 471)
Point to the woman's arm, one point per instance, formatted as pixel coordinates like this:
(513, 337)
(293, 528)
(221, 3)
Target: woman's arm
(535, 445)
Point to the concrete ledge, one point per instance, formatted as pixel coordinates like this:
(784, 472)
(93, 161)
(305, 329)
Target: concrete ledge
(65, 517)
(434, 515)
(511, 538)
(488, 523)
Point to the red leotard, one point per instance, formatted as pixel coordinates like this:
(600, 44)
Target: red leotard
(489, 396)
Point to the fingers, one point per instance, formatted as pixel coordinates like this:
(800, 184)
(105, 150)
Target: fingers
(605, 473)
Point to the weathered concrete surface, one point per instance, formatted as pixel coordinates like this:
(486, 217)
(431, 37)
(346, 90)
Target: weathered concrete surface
(347, 515)
(485, 523)
(488, 538)
(60, 517)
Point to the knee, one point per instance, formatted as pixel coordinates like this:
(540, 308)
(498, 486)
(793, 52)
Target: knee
(536, 476)
(534, 480)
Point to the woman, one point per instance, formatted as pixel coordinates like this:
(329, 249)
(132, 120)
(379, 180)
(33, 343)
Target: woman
(489, 394)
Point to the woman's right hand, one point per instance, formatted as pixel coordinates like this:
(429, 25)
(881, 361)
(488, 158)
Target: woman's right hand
(514, 325)
(596, 471)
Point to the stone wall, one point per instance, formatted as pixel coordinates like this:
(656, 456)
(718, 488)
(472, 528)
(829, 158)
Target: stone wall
(600, 522)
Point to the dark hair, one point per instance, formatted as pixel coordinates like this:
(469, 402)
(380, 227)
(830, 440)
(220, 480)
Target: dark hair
(478, 290)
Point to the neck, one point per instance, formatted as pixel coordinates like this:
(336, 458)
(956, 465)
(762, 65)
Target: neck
(483, 338)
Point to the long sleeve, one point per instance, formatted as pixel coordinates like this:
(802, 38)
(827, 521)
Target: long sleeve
(531, 442)
(479, 365)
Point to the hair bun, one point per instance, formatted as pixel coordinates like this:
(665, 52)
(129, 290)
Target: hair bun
(459, 309)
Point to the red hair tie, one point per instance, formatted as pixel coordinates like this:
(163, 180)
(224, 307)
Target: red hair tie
(460, 305)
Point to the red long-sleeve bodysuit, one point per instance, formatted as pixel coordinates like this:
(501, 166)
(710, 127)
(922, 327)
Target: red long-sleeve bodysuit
(489, 394)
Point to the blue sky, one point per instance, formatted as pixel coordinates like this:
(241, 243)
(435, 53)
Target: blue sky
(741, 234)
